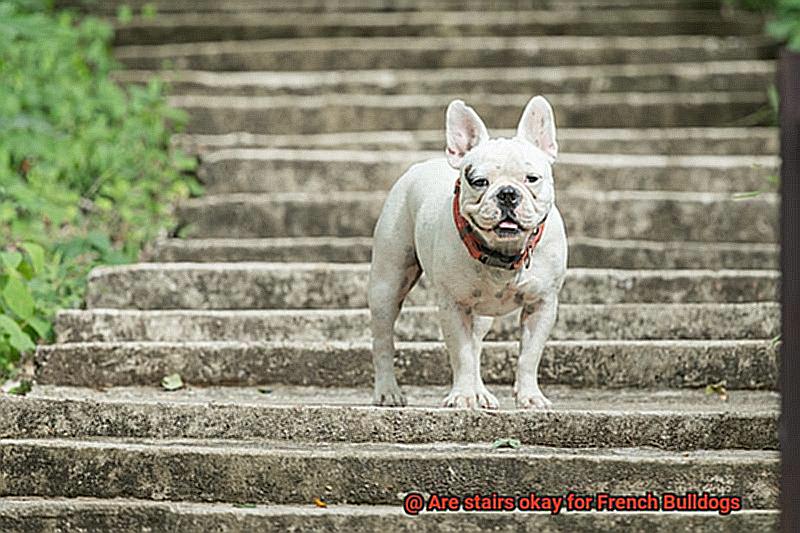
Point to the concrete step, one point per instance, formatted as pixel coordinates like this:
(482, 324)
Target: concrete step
(583, 252)
(575, 321)
(643, 141)
(283, 170)
(289, 249)
(283, 472)
(750, 364)
(680, 77)
(331, 285)
(197, 27)
(361, 112)
(666, 419)
(33, 515)
(642, 215)
(255, 6)
(344, 53)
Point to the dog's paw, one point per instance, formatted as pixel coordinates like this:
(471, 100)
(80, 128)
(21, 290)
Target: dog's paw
(532, 400)
(389, 395)
(479, 398)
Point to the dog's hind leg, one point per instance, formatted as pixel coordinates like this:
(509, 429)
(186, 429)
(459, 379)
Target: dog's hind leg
(393, 273)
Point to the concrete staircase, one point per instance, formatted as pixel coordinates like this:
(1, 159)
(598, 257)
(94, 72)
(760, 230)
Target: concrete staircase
(304, 113)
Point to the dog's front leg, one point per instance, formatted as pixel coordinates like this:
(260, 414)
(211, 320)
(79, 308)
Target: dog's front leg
(463, 333)
(537, 320)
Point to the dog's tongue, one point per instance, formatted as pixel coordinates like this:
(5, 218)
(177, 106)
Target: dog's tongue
(507, 224)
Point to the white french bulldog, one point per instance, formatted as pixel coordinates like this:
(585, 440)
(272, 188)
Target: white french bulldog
(483, 226)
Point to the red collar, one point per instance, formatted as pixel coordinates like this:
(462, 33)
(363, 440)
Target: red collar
(478, 250)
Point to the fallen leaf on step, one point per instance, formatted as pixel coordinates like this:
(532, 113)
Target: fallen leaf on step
(506, 443)
(718, 389)
(244, 505)
(172, 382)
(319, 503)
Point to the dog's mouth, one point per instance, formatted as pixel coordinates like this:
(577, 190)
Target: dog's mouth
(508, 227)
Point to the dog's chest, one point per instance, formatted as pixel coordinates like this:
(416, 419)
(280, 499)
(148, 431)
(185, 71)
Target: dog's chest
(493, 292)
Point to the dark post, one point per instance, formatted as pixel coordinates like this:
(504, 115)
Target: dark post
(789, 87)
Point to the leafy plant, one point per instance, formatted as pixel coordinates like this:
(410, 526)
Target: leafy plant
(785, 25)
(25, 304)
(86, 174)
(124, 14)
(149, 11)
(784, 18)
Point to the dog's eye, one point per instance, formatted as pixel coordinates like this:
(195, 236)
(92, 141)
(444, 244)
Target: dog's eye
(532, 178)
(479, 183)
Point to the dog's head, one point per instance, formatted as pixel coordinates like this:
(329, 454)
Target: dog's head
(506, 184)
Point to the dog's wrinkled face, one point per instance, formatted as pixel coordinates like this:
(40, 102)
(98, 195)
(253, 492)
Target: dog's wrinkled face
(506, 184)
(507, 189)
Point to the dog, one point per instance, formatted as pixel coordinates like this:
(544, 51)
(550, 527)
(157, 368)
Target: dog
(482, 224)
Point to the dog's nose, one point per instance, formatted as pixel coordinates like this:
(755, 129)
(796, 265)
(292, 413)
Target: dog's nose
(508, 196)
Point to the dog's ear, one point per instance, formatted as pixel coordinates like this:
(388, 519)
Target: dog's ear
(538, 126)
(464, 131)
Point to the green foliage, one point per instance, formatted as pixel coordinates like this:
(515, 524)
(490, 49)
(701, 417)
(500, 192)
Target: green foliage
(85, 170)
(124, 14)
(149, 11)
(760, 6)
(27, 300)
(784, 18)
(785, 25)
